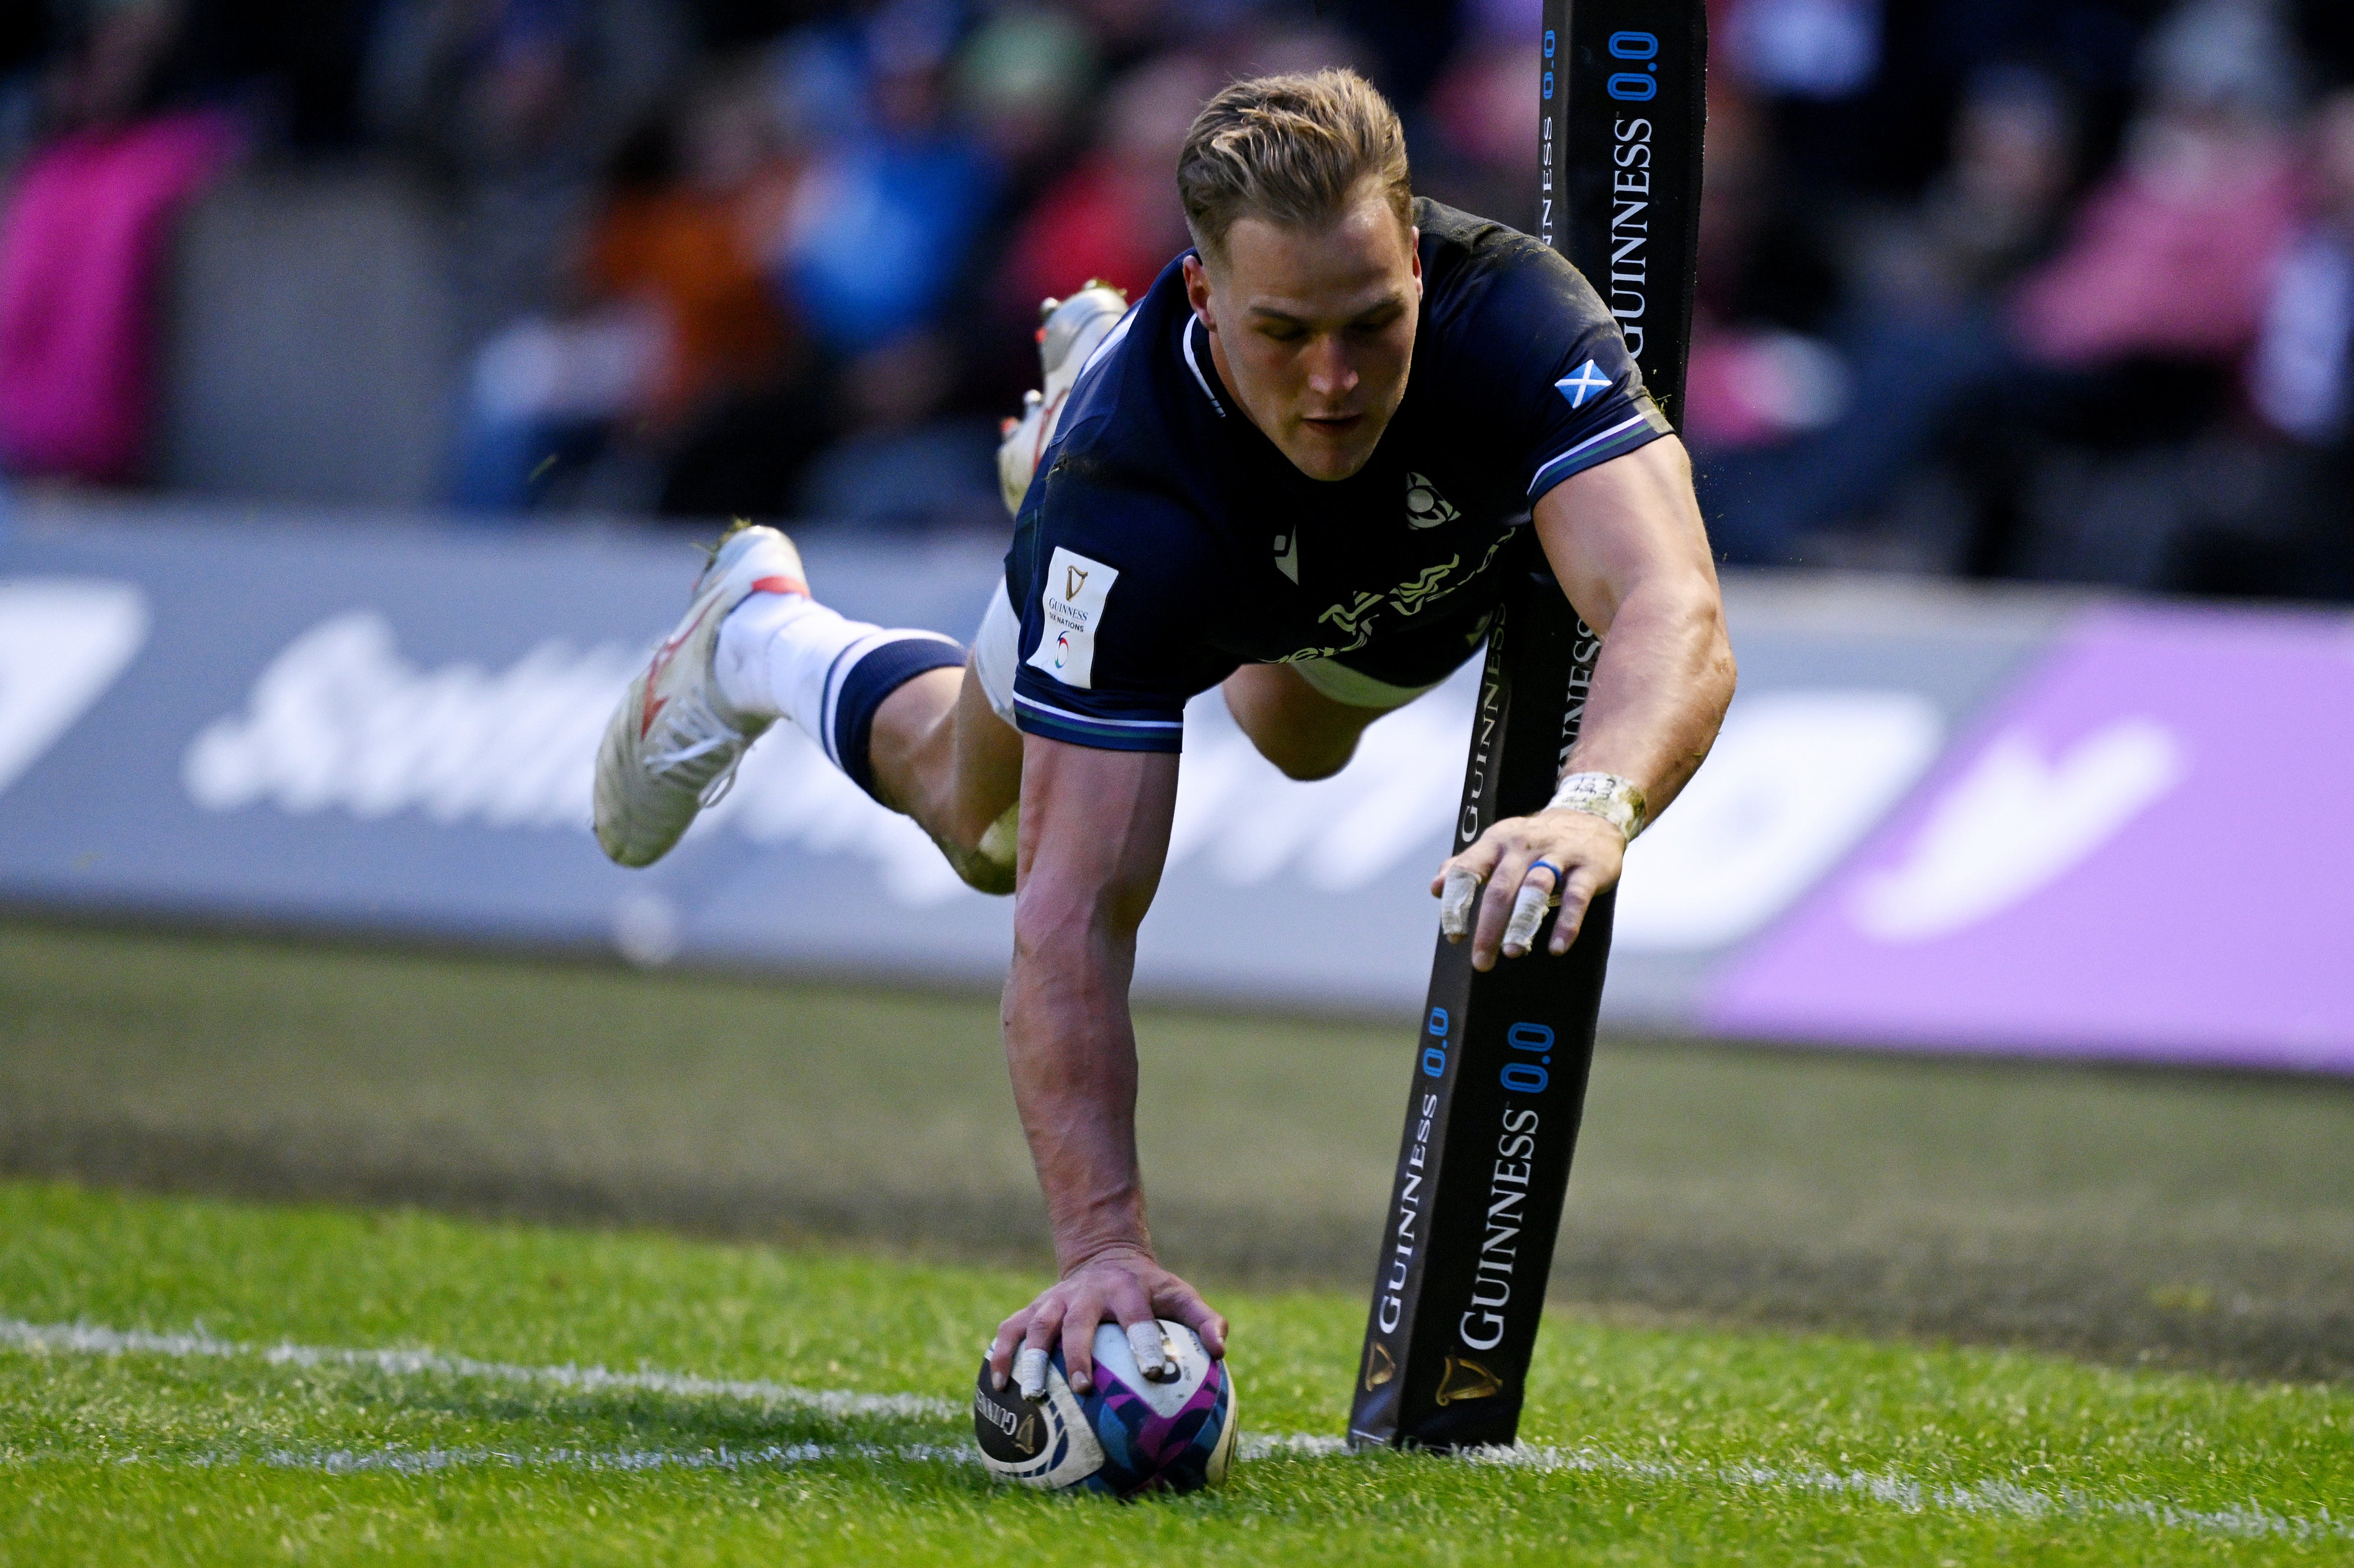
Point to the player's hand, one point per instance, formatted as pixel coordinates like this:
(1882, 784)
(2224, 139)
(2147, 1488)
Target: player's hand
(1574, 855)
(1121, 1284)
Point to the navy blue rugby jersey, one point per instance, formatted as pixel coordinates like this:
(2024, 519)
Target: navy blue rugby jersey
(1164, 540)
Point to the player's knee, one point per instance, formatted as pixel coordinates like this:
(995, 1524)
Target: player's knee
(1306, 762)
(987, 865)
(983, 874)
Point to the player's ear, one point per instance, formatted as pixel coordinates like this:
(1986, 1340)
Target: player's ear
(1413, 254)
(1197, 291)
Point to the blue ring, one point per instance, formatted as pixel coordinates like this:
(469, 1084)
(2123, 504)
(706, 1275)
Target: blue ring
(1557, 877)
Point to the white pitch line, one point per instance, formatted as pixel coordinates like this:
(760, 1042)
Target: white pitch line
(394, 1460)
(84, 1339)
(1985, 1498)
(1991, 1498)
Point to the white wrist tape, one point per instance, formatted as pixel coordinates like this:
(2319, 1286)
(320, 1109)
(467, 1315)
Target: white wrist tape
(1617, 801)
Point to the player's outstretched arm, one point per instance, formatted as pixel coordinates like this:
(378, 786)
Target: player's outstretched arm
(1095, 831)
(1625, 540)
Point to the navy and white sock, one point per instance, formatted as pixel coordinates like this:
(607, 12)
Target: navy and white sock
(787, 656)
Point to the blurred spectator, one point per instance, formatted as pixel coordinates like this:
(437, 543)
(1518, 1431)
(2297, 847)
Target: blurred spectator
(2055, 406)
(900, 462)
(516, 105)
(2043, 287)
(1483, 109)
(878, 230)
(1023, 79)
(2299, 375)
(88, 228)
(2294, 536)
(2144, 321)
(1991, 212)
(25, 42)
(2172, 255)
(1804, 49)
(675, 314)
(1757, 374)
(1116, 215)
(1814, 438)
(878, 254)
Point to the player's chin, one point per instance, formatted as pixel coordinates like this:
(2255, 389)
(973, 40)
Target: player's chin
(1334, 449)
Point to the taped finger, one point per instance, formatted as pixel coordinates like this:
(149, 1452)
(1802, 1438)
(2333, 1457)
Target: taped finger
(1030, 1373)
(1457, 902)
(1151, 1352)
(1529, 908)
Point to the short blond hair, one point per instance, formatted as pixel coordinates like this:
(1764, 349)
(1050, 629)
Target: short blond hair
(1291, 148)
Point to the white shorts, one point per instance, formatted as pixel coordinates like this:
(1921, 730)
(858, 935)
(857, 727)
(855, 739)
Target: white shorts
(997, 651)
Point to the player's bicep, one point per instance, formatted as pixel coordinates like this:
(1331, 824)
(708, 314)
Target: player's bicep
(1630, 523)
(1095, 834)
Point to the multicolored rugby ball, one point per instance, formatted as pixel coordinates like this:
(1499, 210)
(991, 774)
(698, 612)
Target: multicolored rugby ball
(1127, 1436)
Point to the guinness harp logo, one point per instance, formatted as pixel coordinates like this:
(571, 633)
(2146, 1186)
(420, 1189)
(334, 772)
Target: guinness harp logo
(1066, 646)
(1010, 1430)
(1467, 1379)
(1379, 1367)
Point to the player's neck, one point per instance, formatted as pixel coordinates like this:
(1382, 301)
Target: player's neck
(1225, 374)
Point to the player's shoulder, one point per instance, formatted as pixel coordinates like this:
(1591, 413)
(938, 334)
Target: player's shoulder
(1131, 474)
(1123, 415)
(1464, 248)
(1482, 277)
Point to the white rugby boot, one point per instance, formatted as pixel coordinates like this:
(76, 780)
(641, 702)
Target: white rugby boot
(1068, 332)
(672, 746)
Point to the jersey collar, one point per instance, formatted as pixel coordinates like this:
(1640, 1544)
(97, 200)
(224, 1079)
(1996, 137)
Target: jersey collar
(1194, 361)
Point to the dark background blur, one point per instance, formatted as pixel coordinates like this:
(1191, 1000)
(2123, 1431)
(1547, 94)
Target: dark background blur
(2056, 290)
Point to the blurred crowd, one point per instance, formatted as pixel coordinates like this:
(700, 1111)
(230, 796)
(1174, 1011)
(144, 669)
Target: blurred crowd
(2058, 290)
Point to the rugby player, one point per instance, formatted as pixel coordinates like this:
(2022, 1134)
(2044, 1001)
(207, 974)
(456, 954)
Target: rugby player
(1300, 468)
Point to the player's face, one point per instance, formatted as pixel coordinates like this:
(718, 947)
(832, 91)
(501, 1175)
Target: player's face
(1313, 329)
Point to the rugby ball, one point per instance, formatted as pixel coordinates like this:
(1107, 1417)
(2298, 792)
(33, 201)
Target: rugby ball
(1127, 1435)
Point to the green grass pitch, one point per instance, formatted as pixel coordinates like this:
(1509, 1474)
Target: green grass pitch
(2195, 1221)
(197, 1382)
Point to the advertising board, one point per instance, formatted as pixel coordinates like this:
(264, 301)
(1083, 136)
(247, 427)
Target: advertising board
(1972, 820)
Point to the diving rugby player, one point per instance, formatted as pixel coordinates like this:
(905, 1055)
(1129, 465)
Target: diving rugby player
(1299, 468)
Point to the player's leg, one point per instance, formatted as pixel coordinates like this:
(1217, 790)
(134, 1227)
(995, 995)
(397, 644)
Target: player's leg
(903, 712)
(1302, 731)
(941, 754)
(899, 711)
(1305, 717)
(755, 647)
(944, 749)
(674, 743)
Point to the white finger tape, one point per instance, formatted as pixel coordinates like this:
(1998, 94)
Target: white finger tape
(1456, 903)
(1151, 1350)
(1528, 914)
(1030, 1373)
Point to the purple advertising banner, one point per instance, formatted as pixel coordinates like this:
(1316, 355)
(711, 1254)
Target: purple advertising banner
(2146, 851)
